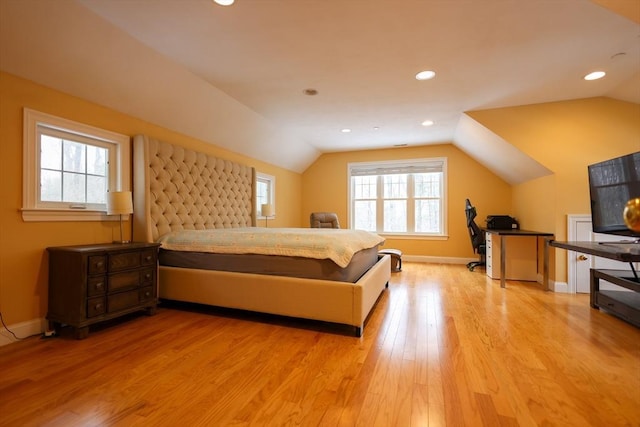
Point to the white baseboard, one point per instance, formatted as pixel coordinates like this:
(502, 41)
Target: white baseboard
(562, 287)
(437, 260)
(22, 330)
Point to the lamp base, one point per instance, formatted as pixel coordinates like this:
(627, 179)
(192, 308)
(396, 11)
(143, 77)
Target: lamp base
(121, 241)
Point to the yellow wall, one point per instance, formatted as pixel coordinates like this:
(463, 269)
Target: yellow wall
(565, 137)
(23, 261)
(325, 188)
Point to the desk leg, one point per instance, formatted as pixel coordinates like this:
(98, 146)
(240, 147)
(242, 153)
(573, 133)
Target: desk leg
(503, 261)
(545, 266)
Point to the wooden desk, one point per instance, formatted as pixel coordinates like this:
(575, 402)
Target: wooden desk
(503, 234)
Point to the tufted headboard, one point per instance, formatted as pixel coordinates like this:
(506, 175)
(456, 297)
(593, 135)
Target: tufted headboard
(175, 189)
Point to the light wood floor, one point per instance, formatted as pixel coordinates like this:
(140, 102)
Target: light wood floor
(444, 346)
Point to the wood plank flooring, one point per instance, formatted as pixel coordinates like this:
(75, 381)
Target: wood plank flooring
(443, 347)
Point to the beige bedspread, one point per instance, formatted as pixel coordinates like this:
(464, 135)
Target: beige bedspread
(339, 245)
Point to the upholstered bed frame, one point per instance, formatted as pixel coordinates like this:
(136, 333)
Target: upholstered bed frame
(175, 188)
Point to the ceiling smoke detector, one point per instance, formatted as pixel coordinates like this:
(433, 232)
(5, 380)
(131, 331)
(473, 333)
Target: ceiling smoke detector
(310, 92)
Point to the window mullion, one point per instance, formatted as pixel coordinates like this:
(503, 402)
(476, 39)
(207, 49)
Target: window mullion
(411, 212)
(379, 203)
(86, 176)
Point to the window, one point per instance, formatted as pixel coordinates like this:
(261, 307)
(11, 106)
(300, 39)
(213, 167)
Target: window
(405, 197)
(69, 167)
(265, 192)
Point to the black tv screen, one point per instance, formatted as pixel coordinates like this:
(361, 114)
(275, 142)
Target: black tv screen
(612, 184)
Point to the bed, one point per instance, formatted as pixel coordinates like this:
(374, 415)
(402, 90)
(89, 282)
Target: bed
(177, 190)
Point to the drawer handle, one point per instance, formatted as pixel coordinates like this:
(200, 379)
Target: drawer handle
(147, 276)
(148, 258)
(99, 264)
(98, 306)
(147, 294)
(100, 285)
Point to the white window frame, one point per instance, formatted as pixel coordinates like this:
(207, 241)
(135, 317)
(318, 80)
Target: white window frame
(270, 181)
(399, 165)
(119, 168)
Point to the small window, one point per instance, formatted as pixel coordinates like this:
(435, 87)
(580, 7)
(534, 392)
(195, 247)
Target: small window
(69, 167)
(265, 192)
(404, 198)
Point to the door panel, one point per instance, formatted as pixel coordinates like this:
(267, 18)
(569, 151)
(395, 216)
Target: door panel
(580, 264)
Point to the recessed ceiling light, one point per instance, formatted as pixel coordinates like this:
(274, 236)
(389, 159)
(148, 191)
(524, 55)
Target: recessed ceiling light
(595, 75)
(345, 130)
(425, 75)
(224, 2)
(428, 123)
(376, 128)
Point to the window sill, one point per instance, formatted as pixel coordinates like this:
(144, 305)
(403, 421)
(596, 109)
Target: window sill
(45, 215)
(405, 236)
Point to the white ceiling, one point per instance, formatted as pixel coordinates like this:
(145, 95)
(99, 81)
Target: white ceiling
(234, 76)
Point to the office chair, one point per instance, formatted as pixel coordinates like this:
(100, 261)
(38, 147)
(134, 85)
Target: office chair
(476, 235)
(324, 220)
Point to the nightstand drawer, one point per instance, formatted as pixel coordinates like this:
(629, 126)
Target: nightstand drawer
(124, 261)
(97, 264)
(96, 285)
(96, 307)
(117, 302)
(148, 257)
(146, 294)
(146, 276)
(130, 279)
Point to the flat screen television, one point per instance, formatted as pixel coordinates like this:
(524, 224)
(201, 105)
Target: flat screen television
(612, 184)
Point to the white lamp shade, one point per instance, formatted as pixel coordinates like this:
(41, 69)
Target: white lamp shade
(267, 209)
(119, 203)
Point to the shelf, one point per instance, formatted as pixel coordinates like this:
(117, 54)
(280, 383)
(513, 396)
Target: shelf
(623, 304)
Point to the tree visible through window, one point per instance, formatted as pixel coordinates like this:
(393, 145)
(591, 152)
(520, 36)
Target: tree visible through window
(72, 171)
(399, 197)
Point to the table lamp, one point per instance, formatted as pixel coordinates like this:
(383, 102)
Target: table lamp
(267, 211)
(119, 203)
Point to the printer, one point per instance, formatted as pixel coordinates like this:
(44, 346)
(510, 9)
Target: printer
(502, 222)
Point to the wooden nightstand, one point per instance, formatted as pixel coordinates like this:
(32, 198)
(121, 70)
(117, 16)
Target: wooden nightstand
(93, 283)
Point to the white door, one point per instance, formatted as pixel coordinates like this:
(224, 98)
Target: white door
(579, 229)
(581, 263)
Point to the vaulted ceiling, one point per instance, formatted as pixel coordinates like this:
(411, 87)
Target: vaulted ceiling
(236, 76)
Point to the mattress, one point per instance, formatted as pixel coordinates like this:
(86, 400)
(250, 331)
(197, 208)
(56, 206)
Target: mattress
(277, 265)
(338, 245)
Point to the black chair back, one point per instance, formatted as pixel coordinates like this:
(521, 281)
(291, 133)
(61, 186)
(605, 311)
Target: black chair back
(476, 234)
